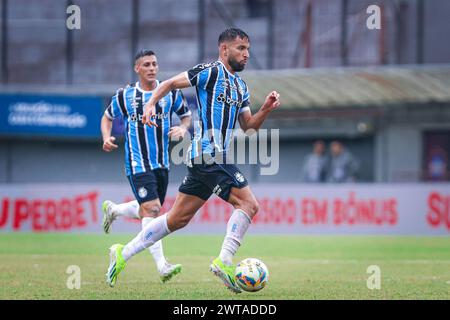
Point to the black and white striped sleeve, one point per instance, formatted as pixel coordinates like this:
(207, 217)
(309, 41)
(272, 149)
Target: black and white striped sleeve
(180, 105)
(117, 106)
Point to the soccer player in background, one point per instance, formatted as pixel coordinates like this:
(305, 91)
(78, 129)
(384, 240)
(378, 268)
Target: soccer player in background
(223, 97)
(146, 149)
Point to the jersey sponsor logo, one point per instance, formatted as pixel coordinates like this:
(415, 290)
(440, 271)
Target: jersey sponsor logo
(221, 98)
(135, 117)
(138, 117)
(142, 192)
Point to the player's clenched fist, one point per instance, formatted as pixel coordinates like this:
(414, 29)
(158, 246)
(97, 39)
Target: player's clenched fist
(109, 145)
(149, 115)
(272, 101)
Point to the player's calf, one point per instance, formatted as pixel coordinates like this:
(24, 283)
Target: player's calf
(178, 221)
(243, 199)
(249, 207)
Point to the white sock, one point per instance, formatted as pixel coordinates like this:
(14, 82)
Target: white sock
(155, 230)
(156, 249)
(127, 209)
(236, 228)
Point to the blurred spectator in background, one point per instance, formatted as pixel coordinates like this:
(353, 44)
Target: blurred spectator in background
(315, 164)
(437, 165)
(343, 166)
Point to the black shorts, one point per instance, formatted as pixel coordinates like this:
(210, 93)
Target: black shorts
(150, 185)
(203, 180)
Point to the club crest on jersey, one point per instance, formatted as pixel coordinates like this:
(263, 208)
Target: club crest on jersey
(142, 192)
(239, 177)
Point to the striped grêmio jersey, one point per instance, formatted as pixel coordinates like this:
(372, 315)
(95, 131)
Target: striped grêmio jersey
(221, 97)
(146, 148)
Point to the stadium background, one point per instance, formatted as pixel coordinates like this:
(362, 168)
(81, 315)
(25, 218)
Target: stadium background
(384, 93)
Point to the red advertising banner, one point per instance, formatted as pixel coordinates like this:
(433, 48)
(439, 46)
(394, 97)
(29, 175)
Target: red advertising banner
(410, 209)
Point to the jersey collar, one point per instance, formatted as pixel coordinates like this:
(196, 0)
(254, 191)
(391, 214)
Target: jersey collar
(138, 86)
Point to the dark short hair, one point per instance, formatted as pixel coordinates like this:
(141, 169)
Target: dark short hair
(319, 142)
(232, 33)
(143, 53)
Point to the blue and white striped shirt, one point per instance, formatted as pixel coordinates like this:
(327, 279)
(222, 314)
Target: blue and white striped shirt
(221, 97)
(146, 148)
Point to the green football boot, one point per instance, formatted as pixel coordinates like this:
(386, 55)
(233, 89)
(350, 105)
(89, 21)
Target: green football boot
(108, 215)
(226, 274)
(169, 271)
(116, 265)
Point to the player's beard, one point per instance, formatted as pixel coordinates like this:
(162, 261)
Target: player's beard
(235, 65)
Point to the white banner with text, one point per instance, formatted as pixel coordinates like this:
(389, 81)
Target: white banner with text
(403, 209)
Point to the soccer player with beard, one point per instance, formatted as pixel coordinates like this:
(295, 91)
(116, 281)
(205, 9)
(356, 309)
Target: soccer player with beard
(223, 97)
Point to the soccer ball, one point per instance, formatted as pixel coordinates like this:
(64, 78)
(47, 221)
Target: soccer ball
(251, 275)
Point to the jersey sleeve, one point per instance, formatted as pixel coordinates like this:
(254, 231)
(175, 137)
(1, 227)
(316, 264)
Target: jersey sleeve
(117, 106)
(245, 100)
(199, 75)
(180, 105)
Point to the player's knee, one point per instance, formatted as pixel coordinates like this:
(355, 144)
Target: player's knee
(254, 208)
(250, 207)
(150, 210)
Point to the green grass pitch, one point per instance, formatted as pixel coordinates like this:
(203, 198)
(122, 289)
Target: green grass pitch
(33, 266)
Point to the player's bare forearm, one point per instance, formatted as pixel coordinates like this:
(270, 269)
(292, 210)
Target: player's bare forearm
(255, 121)
(249, 121)
(177, 82)
(163, 89)
(106, 127)
(108, 140)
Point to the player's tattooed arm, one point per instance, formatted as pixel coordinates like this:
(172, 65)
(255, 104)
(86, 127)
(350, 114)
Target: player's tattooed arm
(179, 81)
(108, 140)
(249, 121)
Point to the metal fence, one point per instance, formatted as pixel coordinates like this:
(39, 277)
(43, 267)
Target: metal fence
(38, 48)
